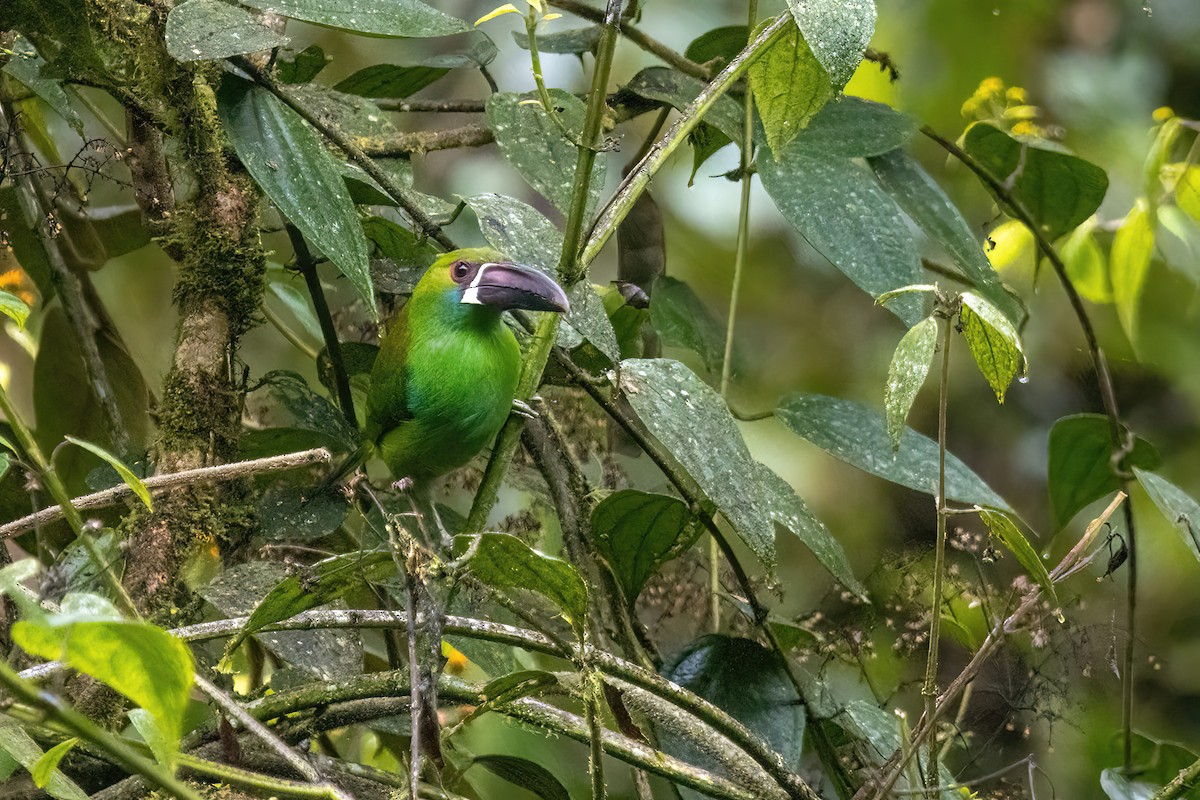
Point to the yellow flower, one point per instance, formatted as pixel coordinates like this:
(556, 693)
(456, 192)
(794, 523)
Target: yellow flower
(1163, 113)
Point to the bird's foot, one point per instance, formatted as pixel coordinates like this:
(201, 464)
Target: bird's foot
(523, 409)
(404, 485)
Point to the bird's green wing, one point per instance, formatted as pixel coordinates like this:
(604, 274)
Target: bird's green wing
(387, 403)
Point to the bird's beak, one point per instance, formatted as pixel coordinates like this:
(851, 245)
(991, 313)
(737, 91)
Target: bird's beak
(508, 286)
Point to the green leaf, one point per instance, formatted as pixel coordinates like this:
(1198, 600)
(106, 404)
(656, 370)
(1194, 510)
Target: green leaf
(303, 66)
(389, 80)
(575, 41)
(295, 170)
(1176, 505)
(1086, 265)
(14, 308)
(993, 341)
(694, 425)
(748, 682)
(923, 200)
(523, 234)
(143, 662)
(25, 241)
(405, 257)
(683, 320)
(1059, 190)
(1080, 469)
(678, 90)
(207, 30)
(637, 532)
(790, 86)
(407, 18)
(906, 375)
(1187, 192)
(858, 435)
(301, 407)
(299, 512)
(503, 561)
(25, 751)
(838, 31)
(30, 69)
(47, 765)
(1132, 248)
(530, 776)
(723, 43)
(1004, 529)
(147, 727)
(321, 583)
(536, 146)
(131, 480)
(1117, 786)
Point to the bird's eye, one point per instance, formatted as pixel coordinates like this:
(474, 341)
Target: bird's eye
(460, 270)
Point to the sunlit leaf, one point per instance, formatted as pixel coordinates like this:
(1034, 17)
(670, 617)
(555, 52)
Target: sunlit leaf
(1004, 529)
(790, 86)
(1176, 505)
(1080, 463)
(47, 765)
(158, 742)
(507, 8)
(858, 436)
(1086, 265)
(993, 342)
(14, 308)
(207, 30)
(127, 475)
(503, 561)
(25, 751)
(906, 375)
(837, 31)
(372, 17)
(1132, 249)
(637, 532)
(1118, 786)
(1187, 192)
(289, 160)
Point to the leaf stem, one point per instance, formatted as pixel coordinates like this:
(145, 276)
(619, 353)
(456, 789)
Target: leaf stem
(930, 690)
(635, 35)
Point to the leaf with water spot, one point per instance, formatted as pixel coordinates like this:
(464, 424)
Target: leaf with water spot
(401, 18)
(1079, 470)
(207, 30)
(790, 86)
(993, 341)
(1176, 505)
(837, 32)
(906, 375)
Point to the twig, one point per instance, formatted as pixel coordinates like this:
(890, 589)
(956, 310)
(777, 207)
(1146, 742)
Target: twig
(430, 106)
(159, 483)
(347, 145)
(404, 143)
(333, 348)
(635, 35)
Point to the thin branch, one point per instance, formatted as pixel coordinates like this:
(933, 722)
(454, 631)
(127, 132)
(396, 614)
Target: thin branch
(172, 480)
(406, 143)
(635, 35)
(430, 106)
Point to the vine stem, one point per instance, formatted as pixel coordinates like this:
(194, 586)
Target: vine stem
(930, 689)
(739, 262)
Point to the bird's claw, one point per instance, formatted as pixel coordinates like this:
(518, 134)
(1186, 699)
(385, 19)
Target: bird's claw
(403, 485)
(523, 409)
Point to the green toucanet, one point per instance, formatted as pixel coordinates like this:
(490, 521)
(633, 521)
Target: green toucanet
(443, 382)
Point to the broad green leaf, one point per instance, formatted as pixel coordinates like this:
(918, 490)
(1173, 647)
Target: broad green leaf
(1132, 248)
(303, 66)
(14, 308)
(290, 162)
(207, 30)
(790, 86)
(1177, 241)
(47, 765)
(147, 727)
(575, 41)
(314, 586)
(299, 512)
(906, 375)
(296, 404)
(1176, 505)
(1187, 192)
(127, 475)
(838, 31)
(28, 67)
(923, 200)
(858, 435)
(694, 425)
(852, 127)
(469, 50)
(993, 341)
(389, 80)
(523, 234)
(404, 257)
(683, 320)
(25, 751)
(705, 140)
(141, 661)
(1086, 265)
(407, 18)
(748, 682)
(1118, 786)
(519, 684)
(637, 532)
(1059, 190)
(8, 764)
(1080, 470)
(537, 147)
(529, 775)
(503, 561)
(876, 731)
(719, 43)
(1004, 529)
(25, 241)
(678, 91)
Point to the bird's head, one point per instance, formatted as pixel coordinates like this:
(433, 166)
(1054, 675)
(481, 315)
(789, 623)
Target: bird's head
(483, 277)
